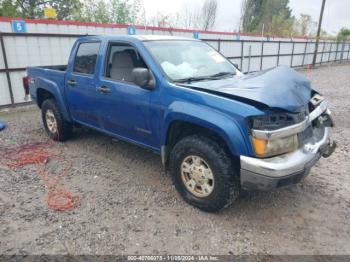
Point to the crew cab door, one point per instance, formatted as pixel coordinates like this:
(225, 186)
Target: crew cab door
(80, 83)
(125, 108)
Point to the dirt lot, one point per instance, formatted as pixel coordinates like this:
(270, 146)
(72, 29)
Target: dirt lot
(128, 204)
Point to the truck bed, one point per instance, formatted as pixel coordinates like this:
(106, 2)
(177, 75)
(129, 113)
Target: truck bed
(43, 75)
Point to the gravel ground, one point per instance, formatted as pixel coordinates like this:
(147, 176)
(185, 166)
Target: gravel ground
(129, 206)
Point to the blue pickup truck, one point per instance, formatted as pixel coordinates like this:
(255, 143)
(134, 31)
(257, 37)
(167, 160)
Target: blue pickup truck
(218, 131)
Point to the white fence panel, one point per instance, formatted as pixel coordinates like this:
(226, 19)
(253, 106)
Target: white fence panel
(297, 60)
(285, 60)
(286, 48)
(270, 48)
(269, 62)
(17, 86)
(230, 49)
(36, 51)
(299, 48)
(5, 98)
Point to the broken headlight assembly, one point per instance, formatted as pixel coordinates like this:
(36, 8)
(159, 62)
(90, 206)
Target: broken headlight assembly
(272, 146)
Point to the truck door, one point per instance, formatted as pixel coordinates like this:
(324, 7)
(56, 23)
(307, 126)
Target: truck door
(81, 84)
(125, 108)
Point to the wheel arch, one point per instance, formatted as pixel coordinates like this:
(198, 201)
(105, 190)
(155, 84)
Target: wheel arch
(184, 119)
(47, 89)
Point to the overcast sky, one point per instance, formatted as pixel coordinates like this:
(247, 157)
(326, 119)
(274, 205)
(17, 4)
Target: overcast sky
(336, 15)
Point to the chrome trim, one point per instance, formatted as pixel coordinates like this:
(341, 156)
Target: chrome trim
(293, 129)
(318, 111)
(282, 132)
(290, 163)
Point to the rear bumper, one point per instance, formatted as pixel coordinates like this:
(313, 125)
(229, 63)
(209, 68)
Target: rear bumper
(274, 172)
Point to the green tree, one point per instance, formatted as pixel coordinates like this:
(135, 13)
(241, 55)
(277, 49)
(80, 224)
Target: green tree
(305, 25)
(343, 34)
(280, 25)
(9, 8)
(93, 11)
(66, 8)
(124, 12)
(35, 8)
(113, 11)
(251, 15)
(272, 16)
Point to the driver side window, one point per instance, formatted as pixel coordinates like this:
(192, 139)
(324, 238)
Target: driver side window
(121, 60)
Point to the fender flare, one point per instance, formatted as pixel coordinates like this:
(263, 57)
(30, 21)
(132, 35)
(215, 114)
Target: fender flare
(223, 125)
(52, 87)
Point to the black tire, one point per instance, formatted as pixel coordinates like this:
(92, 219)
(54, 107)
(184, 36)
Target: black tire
(225, 172)
(64, 128)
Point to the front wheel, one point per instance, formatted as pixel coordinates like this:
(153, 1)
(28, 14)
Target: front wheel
(204, 173)
(56, 127)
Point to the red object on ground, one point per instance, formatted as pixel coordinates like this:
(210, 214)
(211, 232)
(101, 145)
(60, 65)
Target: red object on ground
(58, 198)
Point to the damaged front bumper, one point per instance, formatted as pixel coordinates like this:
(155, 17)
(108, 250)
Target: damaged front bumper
(290, 168)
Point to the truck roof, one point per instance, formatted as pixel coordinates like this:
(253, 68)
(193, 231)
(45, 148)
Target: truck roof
(136, 37)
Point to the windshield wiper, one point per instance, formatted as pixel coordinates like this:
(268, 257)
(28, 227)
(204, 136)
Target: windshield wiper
(222, 74)
(191, 79)
(202, 78)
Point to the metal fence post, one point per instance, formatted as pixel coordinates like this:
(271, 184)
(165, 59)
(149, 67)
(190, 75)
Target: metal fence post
(324, 43)
(278, 52)
(348, 51)
(305, 49)
(336, 53)
(6, 68)
(219, 44)
(342, 51)
(330, 52)
(249, 55)
(242, 54)
(262, 54)
(291, 60)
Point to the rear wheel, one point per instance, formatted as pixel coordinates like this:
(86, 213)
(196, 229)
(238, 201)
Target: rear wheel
(56, 127)
(204, 173)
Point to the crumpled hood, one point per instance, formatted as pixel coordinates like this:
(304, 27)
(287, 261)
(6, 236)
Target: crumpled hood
(279, 87)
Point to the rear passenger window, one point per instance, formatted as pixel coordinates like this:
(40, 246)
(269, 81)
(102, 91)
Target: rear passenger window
(85, 59)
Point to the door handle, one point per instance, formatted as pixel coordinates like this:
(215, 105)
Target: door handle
(71, 82)
(103, 89)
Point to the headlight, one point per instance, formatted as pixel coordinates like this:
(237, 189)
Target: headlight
(274, 121)
(267, 148)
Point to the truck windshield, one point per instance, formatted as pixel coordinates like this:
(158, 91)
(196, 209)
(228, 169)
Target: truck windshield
(187, 61)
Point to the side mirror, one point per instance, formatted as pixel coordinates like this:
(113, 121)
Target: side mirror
(142, 77)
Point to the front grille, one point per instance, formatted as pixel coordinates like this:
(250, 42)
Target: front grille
(300, 116)
(278, 120)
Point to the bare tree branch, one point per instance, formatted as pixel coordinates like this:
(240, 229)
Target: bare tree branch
(208, 14)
